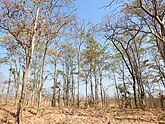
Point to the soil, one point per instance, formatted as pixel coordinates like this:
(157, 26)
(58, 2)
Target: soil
(56, 115)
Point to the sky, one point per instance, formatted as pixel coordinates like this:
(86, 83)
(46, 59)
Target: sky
(91, 10)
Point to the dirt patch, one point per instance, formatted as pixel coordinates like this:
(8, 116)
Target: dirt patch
(50, 115)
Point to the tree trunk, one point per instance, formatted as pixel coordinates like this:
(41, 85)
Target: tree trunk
(42, 78)
(9, 83)
(39, 101)
(117, 91)
(54, 86)
(59, 97)
(91, 84)
(86, 90)
(134, 91)
(162, 43)
(96, 87)
(22, 97)
(73, 87)
(78, 79)
(101, 86)
(64, 87)
(34, 82)
(67, 91)
(17, 81)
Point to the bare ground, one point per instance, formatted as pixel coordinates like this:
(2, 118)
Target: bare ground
(50, 115)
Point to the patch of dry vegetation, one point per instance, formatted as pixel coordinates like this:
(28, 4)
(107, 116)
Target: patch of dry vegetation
(50, 115)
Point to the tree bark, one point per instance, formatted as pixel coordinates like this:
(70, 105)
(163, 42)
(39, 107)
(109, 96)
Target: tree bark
(17, 83)
(96, 86)
(101, 85)
(116, 87)
(22, 97)
(9, 83)
(54, 86)
(73, 87)
(86, 90)
(91, 85)
(78, 79)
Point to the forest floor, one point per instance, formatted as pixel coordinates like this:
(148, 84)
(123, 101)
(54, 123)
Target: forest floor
(50, 115)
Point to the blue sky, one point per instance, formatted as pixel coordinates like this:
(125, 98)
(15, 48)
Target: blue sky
(91, 10)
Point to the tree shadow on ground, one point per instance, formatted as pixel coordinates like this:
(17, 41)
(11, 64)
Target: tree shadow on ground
(11, 113)
(4, 121)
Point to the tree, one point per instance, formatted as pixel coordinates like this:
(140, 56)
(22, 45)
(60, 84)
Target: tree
(27, 24)
(80, 37)
(144, 17)
(93, 55)
(68, 70)
(54, 59)
(147, 17)
(131, 52)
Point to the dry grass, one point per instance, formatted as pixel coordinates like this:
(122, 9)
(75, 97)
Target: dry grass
(50, 115)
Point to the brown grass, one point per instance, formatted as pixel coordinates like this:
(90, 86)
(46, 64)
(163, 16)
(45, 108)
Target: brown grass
(50, 115)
